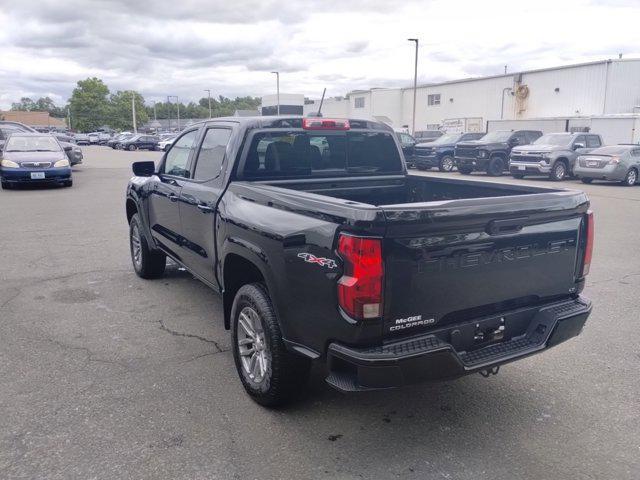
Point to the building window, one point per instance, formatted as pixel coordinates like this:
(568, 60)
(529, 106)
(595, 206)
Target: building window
(358, 102)
(433, 99)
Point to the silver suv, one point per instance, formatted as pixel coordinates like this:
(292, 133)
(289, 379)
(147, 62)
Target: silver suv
(553, 154)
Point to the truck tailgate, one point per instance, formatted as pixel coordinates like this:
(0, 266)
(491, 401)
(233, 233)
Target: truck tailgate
(451, 261)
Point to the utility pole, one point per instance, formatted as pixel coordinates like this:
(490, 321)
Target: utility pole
(209, 93)
(178, 106)
(278, 89)
(133, 111)
(69, 115)
(155, 114)
(415, 87)
(169, 112)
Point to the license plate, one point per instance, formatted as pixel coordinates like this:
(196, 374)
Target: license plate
(592, 164)
(37, 175)
(522, 167)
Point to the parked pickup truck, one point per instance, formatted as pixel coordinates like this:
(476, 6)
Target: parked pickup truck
(440, 153)
(553, 154)
(491, 153)
(324, 249)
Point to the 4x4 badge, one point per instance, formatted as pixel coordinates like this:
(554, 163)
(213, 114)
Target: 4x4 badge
(311, 258)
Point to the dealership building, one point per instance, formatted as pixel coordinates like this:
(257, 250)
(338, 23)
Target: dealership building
(602, 97)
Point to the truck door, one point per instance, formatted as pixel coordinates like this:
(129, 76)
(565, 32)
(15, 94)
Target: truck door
(199, 200)
(164, 197)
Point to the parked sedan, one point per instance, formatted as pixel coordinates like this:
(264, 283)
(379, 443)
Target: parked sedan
(140, 142)
(618, 163)
(115, 141)
(82, 139)
(74, 153)
(33, 158)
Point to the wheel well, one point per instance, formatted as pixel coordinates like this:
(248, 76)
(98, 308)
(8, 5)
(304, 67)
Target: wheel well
(563, 160)
(238, 271)
(502, 155)
(131, 209)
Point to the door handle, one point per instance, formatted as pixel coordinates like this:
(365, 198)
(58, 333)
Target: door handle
(173, 197)
(205, 208)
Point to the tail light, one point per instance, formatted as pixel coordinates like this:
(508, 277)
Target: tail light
(588, 247)
(360, 287)
(325, 124)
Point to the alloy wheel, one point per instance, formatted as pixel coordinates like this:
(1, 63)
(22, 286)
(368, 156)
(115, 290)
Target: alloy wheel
(252, 346)
(136, 245)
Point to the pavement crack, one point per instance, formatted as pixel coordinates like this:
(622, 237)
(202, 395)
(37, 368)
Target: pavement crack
(189, 335)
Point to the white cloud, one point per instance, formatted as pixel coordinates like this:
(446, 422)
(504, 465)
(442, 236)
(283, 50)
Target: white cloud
(182, 47)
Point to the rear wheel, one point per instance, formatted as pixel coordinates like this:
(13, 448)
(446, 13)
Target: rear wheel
(446, 164)
(270, 374)
(558, 171)
(131, 148)
(630, 178)
(146, 262)
(496, 166)
(465, 170)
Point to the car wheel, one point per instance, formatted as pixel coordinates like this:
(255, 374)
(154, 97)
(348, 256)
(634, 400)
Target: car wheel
(6, 186)
(131, 148)
(465, 170)
(270, 374)
(446, 164)
(518, 176)
(146, 262)
(558, 172)
(586, 180)
(495, 167)
(630, 178)
(67, 183)
(421, 168)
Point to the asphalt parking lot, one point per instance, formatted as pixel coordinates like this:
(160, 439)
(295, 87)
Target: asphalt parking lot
(105, 375)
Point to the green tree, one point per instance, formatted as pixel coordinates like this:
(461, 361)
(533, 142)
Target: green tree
(121, 117)
(89, 104)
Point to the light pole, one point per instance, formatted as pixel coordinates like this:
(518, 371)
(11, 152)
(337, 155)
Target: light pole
(169, 112)
(177, 106)
(504, 90)
(155, 114)
(278, 89)
(415, 87)
(209, 93)
(133, 111)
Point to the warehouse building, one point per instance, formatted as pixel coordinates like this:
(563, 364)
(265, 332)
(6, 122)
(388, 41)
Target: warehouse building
(565, 98)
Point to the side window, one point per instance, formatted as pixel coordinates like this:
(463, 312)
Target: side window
(593, 141)
(177, 159)
(580, 139)
(519, 138)
(406, 139)
(532, 136)
(211, 153)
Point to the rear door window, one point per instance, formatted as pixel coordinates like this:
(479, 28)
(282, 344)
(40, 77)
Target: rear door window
(301, 153)
(593, 141)
(211, 154)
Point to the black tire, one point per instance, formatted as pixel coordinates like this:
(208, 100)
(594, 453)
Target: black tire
(558, 171)
(67, 183)
(131, 148)
(285, 373)
(631, 178)
(518, 176)
(496, 166)
(586, 180)
(150, 263)
(465, 170)
(6, 186)
(446, 164)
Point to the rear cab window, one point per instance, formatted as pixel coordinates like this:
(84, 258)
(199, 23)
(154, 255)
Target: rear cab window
(309, 153)
(593, 141)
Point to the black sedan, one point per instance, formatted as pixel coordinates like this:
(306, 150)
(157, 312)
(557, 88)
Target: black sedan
(139, 142)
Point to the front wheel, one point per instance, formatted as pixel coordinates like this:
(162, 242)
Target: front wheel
(270, 374)
(446, 164)
(465, 170)
(518, 176)
(586, 180)
(6, 185)
(558, 172)
(67, 183)
(495, 167)
(131, 148)
(630, 178)
(146, 262)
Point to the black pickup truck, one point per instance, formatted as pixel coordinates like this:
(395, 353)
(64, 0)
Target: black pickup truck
(491, 153)
(324, 249)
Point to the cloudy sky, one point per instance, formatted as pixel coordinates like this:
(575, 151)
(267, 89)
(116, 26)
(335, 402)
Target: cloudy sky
(181, 47)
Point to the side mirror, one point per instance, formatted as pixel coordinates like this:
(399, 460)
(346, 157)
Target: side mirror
(68, 148)
(576, 146)
(143, 169)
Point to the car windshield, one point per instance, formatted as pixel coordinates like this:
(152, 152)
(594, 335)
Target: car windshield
(445, 139)
(32, 144)
(297, 153)
(613, 150)
(498, 136)
(554, 139)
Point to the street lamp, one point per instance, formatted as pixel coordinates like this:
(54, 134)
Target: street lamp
(177, 106)
(278, 89)
(415, 87)
(209, 93)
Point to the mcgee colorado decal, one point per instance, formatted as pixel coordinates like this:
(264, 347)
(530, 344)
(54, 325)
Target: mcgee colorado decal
(410, 322)
(465, 259)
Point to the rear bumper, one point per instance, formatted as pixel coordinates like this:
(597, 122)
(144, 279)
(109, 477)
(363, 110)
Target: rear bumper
(609, 172)
(431, 357)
